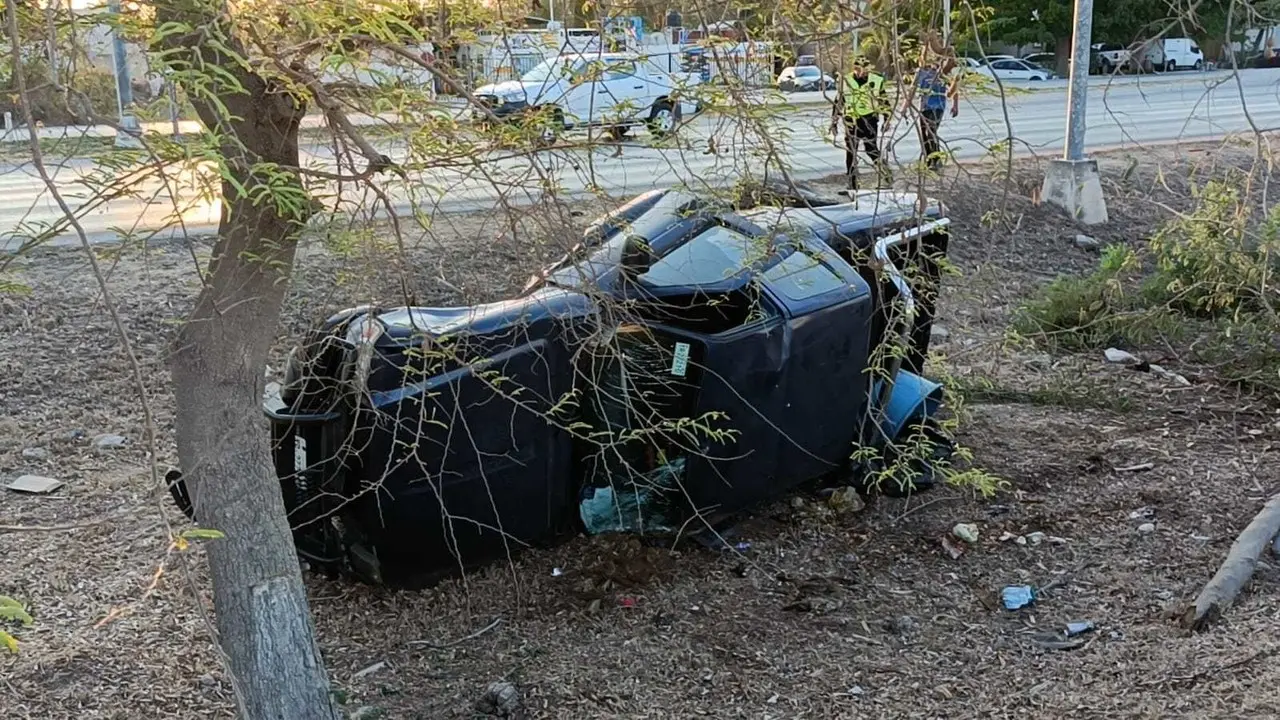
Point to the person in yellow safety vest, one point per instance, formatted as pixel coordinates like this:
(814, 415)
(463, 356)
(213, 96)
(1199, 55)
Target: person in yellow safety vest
(860, 101)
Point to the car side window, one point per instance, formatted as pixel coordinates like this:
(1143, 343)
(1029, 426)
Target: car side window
(619, 70)
(800, 276)
(714, 255)
(1006, 65)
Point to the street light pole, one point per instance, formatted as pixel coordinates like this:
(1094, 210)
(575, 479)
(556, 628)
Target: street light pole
(1078, 88)
(124, 86)
(1073, 183)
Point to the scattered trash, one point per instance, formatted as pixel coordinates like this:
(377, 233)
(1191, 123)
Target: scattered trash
(35, 485)
(742, 546)
(1142, 513)
(1120, 357)
(1055, 540)
(1035, 538)
(1147, 528)
(371, 669)
(1085, 242)
(967, 532)
(627, 602)
(108, 441)
(1056, 642)
(953, 548)
(846, 500)
(35, 453)
(556, 572)
(1080, 628)
(1006, 536)
(1136, 468)
(857, 690)
(1170, 375)
(1016, 597)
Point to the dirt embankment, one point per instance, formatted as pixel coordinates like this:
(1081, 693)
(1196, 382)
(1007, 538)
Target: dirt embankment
(860, 616)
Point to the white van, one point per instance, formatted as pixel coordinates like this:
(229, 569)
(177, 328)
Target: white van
(1176, 54)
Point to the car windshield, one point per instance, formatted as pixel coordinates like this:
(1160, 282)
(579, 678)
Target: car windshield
(716, 254)
(807, 71)
(550, 70)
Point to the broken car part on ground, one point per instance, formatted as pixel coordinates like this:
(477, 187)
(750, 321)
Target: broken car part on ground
(688, 359)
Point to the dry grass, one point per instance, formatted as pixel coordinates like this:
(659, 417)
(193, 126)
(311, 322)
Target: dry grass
(894, 627)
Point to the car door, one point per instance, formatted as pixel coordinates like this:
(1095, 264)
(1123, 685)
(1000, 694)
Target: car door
(1012, 70)
(579, 98)
(623, 95)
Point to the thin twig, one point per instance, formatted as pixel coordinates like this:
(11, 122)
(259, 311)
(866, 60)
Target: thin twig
(459, 641)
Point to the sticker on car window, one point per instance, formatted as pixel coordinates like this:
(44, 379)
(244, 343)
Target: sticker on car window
(680, 363)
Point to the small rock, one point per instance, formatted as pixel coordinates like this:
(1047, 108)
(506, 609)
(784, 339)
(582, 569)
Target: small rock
(208, 682)
(108, 441)
(1035, 538)
(1115, 355)
(1087, 243)
(857, 690)
(1147, 528)
(967, 532)
(500, 699)
(35, 453)
(938, 332)
(35, 485)
(1170, 375)
(73, 435)
(903, 625)
(846, 500)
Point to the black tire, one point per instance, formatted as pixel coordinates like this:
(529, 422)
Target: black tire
(1036, 78)
(662, 119)
(550, 125)
(1170, 66)
(1199, 65)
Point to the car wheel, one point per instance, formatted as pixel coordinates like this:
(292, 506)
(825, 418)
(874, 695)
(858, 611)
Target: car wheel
(1199, 65)
(662, 119)
(550, 126)
(1170, 66)
(1035, 78)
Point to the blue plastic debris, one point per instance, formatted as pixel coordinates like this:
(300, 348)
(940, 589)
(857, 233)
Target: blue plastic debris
(1080, 628)
(1017, 596)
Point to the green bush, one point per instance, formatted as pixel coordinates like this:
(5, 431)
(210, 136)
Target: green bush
(1214, 260)
(1210, 276)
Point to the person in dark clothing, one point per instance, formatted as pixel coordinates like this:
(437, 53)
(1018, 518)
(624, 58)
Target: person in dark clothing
(860, 102)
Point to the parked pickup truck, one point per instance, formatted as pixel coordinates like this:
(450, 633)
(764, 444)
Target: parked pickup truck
(617, 91)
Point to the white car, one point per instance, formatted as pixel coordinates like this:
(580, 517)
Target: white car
(1176, 54)
(617, 91)
(1014, 69)
(804, 78)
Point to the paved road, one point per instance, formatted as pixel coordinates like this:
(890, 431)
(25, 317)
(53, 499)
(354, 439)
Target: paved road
(1127, 113)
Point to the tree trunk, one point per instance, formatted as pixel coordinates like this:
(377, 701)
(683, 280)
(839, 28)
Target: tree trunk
(263, 622)
(1062, 56)
(264, 625)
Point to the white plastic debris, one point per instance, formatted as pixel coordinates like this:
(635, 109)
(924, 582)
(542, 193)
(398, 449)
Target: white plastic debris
(1115, 355)
(1147, 528)
(35, 484)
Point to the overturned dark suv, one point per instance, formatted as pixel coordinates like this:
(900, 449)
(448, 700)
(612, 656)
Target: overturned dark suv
(687, 360)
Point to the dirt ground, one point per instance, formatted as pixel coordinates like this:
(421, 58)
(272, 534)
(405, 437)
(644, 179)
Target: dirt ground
(894, 627)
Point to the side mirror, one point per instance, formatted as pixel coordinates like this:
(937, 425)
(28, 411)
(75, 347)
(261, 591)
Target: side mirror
(637, 257)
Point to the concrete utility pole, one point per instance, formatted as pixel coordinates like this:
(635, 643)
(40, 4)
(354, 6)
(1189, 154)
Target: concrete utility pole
(946, 23)
(1072, 183)
(124, 87)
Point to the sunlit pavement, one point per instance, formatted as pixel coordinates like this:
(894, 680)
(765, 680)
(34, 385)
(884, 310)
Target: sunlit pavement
(709, 150)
